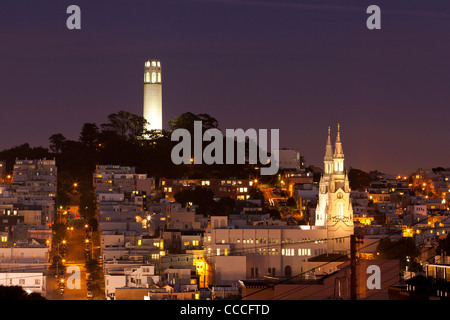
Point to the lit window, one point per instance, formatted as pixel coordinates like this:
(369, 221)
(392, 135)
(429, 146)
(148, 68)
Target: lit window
(159, 77)
(153, 77)
(153, 63)
(340, 211)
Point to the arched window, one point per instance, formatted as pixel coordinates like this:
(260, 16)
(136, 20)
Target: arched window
(159, 77)
(153, 63)
(147, 77)
(339, 211)
(153, 77)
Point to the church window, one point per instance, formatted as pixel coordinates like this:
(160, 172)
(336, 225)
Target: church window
(340, 211)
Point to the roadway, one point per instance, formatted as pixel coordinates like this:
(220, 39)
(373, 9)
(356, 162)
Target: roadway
(75, 254)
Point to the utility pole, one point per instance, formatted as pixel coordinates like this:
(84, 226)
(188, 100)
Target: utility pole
(353, 285)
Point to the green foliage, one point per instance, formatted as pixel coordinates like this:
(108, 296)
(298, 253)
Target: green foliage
(125, 125)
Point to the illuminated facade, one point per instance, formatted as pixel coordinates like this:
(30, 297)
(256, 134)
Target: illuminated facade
(153, 94)
(334, 208)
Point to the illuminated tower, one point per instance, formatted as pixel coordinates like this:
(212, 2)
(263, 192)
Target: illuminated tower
(340, 212)
(334, 207)
(322, 206)
(153, 94)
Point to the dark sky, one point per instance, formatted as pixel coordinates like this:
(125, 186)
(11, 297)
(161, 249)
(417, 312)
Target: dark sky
(297, 66)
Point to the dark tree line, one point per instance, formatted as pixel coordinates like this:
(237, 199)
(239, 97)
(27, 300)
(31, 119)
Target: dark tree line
(122, 140)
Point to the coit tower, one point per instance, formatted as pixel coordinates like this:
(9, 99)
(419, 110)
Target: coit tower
(153, 94)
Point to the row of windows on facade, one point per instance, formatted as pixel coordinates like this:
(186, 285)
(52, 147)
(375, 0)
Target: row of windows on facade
(301, 252)
(207, 183)
(22, 282)
(154, 64)
(254, 271)
(154, 76)
(241, 190)
(270, 240)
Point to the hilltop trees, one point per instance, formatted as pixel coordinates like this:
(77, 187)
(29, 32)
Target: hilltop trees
(122, 140)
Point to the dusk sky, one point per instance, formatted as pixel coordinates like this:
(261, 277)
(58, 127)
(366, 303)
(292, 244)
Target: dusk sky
(297, 66)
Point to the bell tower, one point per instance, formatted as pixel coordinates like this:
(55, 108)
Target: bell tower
(340, 212)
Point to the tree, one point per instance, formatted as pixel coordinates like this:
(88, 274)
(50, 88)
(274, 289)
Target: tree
(274, 214)
(186, 121)
(89, 135)
(18, 293)
(202, 197)
(125, 125)
(358, 178)
(57, 142)
(291, 202)
(256, 194)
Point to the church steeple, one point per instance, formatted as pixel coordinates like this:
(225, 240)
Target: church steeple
(338, 151)
(338, 156)
(328, 159)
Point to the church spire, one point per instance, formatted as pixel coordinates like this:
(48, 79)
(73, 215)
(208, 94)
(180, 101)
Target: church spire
(328, 159)
(338, 151)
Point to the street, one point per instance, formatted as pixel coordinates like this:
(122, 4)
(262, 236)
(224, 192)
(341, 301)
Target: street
(75, 255)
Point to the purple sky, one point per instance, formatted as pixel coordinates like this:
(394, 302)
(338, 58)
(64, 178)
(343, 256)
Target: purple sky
(297, 66)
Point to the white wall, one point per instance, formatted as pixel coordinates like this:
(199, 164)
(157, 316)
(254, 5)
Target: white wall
(35, 282)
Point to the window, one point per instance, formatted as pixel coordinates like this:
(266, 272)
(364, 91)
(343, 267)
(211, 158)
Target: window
(340, 211)
(153, 77)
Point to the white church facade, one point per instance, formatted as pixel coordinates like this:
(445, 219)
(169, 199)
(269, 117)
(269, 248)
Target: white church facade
(271, 248)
